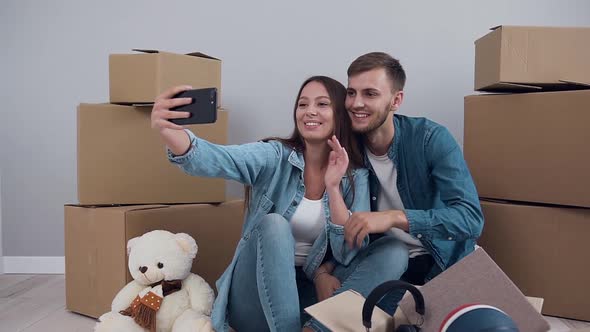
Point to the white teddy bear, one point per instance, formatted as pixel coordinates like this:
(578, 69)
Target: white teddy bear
(164, 295)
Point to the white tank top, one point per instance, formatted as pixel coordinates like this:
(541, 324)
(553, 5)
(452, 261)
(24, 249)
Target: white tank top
(307, 224)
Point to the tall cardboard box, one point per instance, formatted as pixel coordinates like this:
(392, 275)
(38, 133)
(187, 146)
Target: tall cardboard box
(141, 77)
(528, 58)
(530, 147)
(544, 250)
(122, 160)
(96, 240)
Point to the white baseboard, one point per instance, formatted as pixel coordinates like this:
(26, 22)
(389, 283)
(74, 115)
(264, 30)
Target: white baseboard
(33, 265)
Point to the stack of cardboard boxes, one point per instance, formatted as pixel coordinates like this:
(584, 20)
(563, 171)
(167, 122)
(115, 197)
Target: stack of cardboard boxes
(527, 148)
(127, 187)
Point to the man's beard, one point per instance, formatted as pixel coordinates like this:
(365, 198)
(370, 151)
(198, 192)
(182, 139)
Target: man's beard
(375, 123)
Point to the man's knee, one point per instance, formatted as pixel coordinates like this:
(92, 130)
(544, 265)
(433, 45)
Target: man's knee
(392, 256)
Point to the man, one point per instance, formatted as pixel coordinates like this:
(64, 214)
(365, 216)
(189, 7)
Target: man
(421, 190)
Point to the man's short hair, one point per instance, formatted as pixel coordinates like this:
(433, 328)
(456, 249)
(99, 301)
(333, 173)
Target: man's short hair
(375, 60)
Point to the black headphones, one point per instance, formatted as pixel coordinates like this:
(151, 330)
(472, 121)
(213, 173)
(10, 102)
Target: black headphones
(384, 289)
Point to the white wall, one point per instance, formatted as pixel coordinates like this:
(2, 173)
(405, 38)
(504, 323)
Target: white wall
(54, 55)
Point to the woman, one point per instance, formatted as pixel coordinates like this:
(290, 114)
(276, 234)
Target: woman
(303, 189)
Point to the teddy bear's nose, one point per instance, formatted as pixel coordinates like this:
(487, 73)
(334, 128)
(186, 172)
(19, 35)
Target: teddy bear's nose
(142, 269)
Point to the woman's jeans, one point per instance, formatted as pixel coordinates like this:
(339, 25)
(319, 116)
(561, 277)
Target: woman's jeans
(268, 293)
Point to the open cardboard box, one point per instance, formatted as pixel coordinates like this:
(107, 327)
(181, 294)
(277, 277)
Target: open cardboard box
(140, 77)
(526, 58)
(475, 279)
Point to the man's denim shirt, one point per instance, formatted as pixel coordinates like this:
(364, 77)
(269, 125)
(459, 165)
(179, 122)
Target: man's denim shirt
(436, 188)
(275, 173)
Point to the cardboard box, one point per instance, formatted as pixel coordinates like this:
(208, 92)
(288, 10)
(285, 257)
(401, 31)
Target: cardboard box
(544, 250)
(474, 279)
(141, 77)
(530, 147)
(512, 58)
(122, 160)
(96, 240)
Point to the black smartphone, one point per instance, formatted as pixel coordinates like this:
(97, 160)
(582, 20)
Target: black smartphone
(203, 108)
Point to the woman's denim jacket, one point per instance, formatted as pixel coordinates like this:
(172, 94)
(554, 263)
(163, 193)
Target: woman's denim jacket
(275, 173)
(436, 188)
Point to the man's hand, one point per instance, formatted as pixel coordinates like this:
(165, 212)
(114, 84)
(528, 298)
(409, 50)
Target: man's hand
(362, 224)
(325, 286)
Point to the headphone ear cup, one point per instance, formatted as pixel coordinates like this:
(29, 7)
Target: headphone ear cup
(407, 328)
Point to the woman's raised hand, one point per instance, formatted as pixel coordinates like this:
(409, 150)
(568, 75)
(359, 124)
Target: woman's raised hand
(337, 164)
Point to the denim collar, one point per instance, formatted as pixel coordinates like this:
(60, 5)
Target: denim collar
(392, 152)
(296, 159)
(394, 146)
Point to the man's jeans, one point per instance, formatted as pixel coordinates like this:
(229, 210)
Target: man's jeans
(268, 294)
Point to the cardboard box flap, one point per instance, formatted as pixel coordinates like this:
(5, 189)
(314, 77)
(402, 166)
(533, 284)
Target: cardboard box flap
(121, 208)
(144, 50)
(474, 279)
(529, 27)
(575, 82)
(101, 105)
(202, 55)
(501, 201)
(560, 85)
(143, 207)
(111, 106)
(513, 87)
(141, 104)
(498, 27)
(197, 54)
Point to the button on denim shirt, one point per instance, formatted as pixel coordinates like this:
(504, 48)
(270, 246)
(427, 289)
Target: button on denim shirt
(275, 173)
(436, 188)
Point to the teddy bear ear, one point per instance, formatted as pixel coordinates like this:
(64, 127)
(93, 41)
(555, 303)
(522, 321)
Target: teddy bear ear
(187, 243)
(130, 244)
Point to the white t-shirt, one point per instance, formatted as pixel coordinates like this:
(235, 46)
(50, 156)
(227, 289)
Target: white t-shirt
(307, 224)
(389, 199)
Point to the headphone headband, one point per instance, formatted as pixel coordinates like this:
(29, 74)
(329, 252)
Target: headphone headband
(385, 288)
